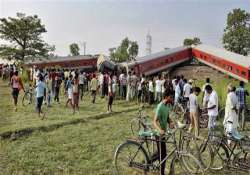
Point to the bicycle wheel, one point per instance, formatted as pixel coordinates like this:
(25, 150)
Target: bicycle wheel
(221, 155)
(135, 126)
(185, 163)
(130, 157)
(26, 99)
(200, 149)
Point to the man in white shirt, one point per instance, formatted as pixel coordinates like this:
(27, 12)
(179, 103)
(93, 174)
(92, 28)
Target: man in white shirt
(194, 111)
(177, 92)
(158, 86)
(81, 84)
(231, 118)
(187, 89)
(40, 93)
(151, 91)
(212, 107)
(101, 81)
(205, 96)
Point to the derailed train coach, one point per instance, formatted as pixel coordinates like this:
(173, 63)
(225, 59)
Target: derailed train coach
(232, 64)
(160, 61)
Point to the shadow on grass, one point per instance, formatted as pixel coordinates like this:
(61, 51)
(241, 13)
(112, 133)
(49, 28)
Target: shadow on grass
(13, 135)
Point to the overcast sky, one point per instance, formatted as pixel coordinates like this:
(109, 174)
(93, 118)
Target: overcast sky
(104, 23)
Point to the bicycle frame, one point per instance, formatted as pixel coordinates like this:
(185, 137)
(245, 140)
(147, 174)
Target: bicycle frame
(170, 139)
(232, 155)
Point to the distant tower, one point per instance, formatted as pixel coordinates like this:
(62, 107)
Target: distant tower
(148, 44)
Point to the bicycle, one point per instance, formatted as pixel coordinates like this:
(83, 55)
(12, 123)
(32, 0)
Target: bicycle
(141, 121)
(135, 155)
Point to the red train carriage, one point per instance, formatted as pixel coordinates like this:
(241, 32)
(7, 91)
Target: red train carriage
(83, 62)
(160, 61)
(227, 62)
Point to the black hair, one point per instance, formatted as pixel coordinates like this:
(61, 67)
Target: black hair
(166, 94)
(207, 80)
(16, 73)
(242, 83)
(208, 88)
(197, 89)
(185, 80)
(233, 89)
(40, 77)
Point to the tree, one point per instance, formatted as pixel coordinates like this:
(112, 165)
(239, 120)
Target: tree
(236, 36)
(190, 41)
(24, 34)
(126, 51)
(74, 49)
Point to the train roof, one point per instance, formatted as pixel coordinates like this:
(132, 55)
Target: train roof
(63, 59)
(160, 54)
(227, 55)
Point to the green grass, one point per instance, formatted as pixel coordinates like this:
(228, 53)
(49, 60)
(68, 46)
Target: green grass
(84, 148)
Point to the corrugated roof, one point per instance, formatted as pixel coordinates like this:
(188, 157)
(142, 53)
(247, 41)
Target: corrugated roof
(223, 53)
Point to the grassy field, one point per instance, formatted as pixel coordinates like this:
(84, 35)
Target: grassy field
(80, 148)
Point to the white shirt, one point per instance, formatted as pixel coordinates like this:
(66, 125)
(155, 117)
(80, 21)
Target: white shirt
(139, 86)
(40, 88)
(101, 78)
(187, 89)
(177, 93)
(162, 86)
(206, 96)
(158, 85)
(213, 100)
(150, 86)
(193, 103)
(81, 79)
(230, 113)
(173, 83)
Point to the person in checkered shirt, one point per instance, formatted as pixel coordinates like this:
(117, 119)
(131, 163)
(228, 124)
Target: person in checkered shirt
(241, 94)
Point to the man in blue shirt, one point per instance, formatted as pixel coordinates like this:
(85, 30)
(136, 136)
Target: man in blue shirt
(40, 93)
(241, 94)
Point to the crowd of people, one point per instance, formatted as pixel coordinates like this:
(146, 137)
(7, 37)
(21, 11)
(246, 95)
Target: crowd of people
(161, 89)
(52, 83)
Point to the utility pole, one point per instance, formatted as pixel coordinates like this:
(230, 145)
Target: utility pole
(83, 44)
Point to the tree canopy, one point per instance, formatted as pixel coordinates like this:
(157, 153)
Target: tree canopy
(126, 51)
(191, 41)
(74, 49)
(24, 36)
(236, 36)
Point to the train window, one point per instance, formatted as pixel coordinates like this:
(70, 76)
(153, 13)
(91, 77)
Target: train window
(200, 55)
(237, 71)
(243, 73)
(230, 68)
(166, 61)
(214, 60)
